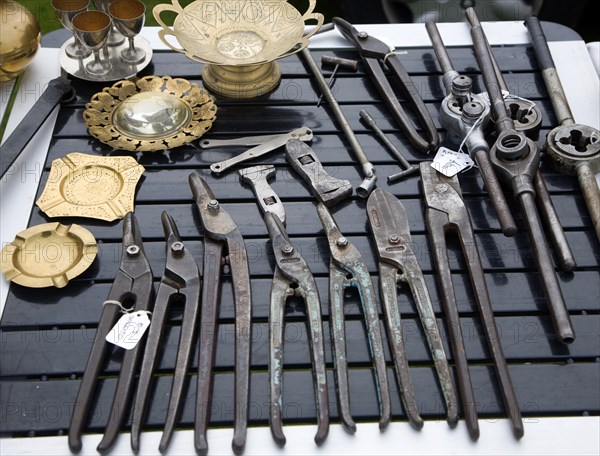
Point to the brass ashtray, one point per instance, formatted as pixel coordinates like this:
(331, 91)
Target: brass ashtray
(81, 185)
(150, 114)
(48, 255)
(238, 41)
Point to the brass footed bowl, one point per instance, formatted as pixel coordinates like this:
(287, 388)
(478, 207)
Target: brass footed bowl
(238, 40)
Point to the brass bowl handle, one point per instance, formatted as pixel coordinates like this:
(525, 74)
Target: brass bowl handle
(309, 14)
(166, 30)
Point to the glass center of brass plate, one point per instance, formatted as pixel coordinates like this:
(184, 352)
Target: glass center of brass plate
(151, 115)
(92, 185)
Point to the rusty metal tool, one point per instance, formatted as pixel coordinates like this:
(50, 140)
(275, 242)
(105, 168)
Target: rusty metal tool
(516, 159)
(397, 265)
(408, 168)
(292, 277)
(327, 189)
(573, 149)
(347, 269)
(258, 178)
(132, 285)
(223, 245)
(368, 170)
(263, 145)
(59, 90)
(446, 213)
(465, 115)
(337, 63)
(527, 118)
(372, 51)
(181, 280)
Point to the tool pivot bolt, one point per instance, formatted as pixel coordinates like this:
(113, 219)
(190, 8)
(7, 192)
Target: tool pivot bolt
(394, 239)
(177, 247)
(213, 206)
(287, 249)
(341, 241)
(363, 35)
(133, 250)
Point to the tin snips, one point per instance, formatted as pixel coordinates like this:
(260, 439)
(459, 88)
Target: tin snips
(292, 277)
(132, 286)
(347, 269)
(223, 245)
(372, 52)
(397, 265)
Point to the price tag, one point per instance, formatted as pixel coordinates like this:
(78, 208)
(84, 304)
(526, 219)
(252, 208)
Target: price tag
(129, 330)
(450, 163)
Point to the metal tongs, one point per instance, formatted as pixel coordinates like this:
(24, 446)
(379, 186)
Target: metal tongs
(347, 269)
(446, 213)
(132, 285)
(223, 245)
(372, 51)
(181, 281)
(398, 264)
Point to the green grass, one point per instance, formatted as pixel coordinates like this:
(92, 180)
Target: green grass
(48, 21)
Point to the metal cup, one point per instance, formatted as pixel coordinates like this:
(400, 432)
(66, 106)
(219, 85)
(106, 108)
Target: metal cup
(128, 16)
(92, 28)
(114, 37)
(66, 10)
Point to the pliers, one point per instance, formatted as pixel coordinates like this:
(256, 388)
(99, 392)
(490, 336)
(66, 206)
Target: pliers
(223, 245)
(446, 212)
(398, 264)
(371, 51)
(132, 285)
(181, 281)
(347, 269)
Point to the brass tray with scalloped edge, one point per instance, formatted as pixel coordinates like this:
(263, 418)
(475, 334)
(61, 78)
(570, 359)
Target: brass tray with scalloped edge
(81, 185)
(48, 255)
(150, 114)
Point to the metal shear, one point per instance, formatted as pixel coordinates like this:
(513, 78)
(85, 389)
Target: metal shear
(181, 280)
(398, 264)
(223, 244)
(347, 269)
(372, 50)
(292, 277)
(446, 212)
(132, 285)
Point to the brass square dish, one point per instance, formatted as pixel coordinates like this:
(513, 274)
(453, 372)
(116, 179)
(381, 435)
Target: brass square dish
(150, 114)
(48, 255)
(81, 185)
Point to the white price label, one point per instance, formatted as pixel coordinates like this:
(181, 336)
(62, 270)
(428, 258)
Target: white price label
(129, 330)
(450, 163)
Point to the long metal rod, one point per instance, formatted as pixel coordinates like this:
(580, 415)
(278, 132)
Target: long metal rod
(368, 169)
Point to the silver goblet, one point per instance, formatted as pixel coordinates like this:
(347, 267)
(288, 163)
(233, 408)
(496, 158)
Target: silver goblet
(92, 28)
(65, 11)
(114, 37)
(128, 16)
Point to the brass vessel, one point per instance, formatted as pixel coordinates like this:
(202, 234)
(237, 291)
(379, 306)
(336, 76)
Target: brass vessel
(19, 39)
(238, 41)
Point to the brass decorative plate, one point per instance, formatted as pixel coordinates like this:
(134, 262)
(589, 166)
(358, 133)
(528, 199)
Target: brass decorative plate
(48, 255)
(150, 114)
(81, 185)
